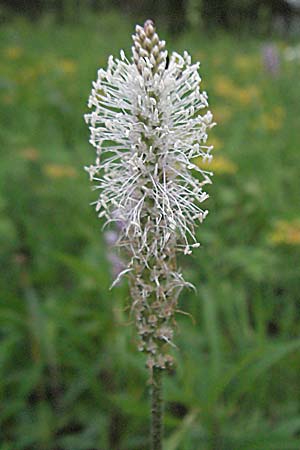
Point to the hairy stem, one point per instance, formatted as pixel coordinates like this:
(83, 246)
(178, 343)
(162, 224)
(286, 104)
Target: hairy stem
(157, 410)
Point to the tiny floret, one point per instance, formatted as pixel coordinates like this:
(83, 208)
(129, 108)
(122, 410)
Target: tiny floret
(149, 124)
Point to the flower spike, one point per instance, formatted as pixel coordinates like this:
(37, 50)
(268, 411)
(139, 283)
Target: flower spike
(147, 128)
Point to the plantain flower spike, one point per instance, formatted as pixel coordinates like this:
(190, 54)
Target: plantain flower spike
(147, 129)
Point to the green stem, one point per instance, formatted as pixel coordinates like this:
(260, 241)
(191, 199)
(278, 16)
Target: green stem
(157, 410)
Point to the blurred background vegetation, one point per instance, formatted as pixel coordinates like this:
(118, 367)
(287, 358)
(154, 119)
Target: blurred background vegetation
(178, 15)
(71, 377)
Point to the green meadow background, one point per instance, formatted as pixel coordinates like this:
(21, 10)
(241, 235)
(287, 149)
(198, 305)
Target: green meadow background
(70, 375)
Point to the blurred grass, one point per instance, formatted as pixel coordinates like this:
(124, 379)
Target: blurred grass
(71, 377)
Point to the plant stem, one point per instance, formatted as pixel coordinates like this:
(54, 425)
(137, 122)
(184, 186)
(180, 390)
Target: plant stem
(157, 410)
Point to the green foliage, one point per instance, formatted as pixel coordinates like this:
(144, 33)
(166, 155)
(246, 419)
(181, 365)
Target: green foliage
(177, 15)
(70, 374)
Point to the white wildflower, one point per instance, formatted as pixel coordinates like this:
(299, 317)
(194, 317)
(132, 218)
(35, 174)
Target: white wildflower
(147, 129)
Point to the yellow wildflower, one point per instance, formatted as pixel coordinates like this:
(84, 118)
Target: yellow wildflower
(59, 171)
(225, 87)
(270, 122)
(216, 142)
(219, 164)
(246, 95)
(286, 232)
(13, 52)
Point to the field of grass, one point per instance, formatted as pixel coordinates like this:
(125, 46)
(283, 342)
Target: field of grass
(70, 375)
